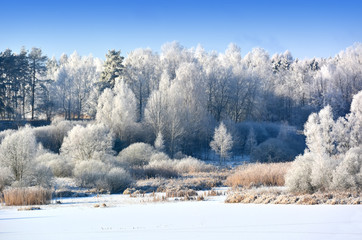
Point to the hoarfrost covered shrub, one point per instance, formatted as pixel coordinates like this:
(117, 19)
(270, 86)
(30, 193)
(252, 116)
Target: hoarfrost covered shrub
(137, 154)
(82, 143)
(17, 151)
(334, 155)
(97, 174)
(192, 165)
(6, 177)
(348, 175)
(161, 168)
(52, 136)
(298, 178)
(118, 180)
(322, 168)
(90, 173)
(159, 156)
(41, 175)
(60, 165)
(5, 133)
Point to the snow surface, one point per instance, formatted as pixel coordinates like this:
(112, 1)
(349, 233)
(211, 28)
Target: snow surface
(137, 218)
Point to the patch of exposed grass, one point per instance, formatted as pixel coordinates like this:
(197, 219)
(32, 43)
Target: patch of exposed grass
(259, 174)
(282, 197)
(27, 196)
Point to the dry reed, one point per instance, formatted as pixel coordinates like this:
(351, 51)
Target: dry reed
(27, 196)
(266, 174)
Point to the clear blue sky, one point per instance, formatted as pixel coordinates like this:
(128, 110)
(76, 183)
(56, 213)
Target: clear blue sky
(318, 28)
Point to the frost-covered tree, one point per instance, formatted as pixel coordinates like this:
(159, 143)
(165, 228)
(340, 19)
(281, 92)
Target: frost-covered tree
(85, 143)
(142, 73)
(117, 110)
(222, 141)
(334, 162)
(319, 132)
(159, 142)
(355, 121)
(112, 69)
(75, 78)
(17, 151)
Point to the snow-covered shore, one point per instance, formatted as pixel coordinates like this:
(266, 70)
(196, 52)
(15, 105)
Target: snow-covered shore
(141, 218)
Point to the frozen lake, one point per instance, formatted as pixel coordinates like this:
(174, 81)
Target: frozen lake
(128, 218)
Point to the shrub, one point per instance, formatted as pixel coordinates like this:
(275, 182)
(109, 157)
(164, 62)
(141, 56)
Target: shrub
(161, 168)
(6, 177)
(159, 156)
(137, 154)
(27, 196)
(192, 165)
(118, 180)
(348, 175)
(267, 174)
(5, 133)
(298, 178)
(82, 143)
(40, 175)
(52, 136)
(90, 173)
(17, 151)
(59, 165)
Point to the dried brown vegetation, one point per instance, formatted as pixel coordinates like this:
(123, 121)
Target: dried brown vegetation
(281, 197)
(27, 196)
(259, 174)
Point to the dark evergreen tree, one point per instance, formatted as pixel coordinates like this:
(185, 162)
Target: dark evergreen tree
(37, 68)
(113, 68)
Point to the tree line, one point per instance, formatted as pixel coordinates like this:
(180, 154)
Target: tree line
(179, 95)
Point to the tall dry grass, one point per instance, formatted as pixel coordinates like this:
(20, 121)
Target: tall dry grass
(27, 196)
(266, 174)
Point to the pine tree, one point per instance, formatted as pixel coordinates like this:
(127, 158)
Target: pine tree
(113, 68)
(37, 68)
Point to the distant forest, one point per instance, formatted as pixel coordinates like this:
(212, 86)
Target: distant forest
(180, 95)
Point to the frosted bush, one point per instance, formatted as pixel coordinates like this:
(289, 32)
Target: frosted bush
(6, 177)
(137, 154)
(5, 133)
(41, 175)
(192, 165)
(118, 180)
(159, 156)
(333, 160)
(83, 143)
(90, 173)
(298, 178)
(322, 167)
(348, 175)
(60, 166)
(161, 168)
(17, 151)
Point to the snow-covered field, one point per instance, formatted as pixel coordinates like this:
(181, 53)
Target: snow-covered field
(140, 218)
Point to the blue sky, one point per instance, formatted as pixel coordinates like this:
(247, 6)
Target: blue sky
(318, 28)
